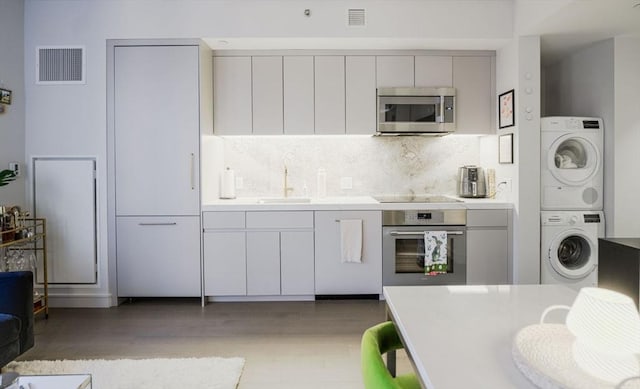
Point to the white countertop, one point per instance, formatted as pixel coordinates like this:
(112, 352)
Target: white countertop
(461, 336)
(347, 203)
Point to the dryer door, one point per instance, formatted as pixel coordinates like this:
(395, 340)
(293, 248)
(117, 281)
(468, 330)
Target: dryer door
(573, 160)
(573, 254)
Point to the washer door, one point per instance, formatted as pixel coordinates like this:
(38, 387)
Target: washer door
(571, 254)
(573, 160)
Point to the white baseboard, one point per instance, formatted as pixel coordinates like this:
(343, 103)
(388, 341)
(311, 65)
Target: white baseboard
(259, 298)
(80, 301)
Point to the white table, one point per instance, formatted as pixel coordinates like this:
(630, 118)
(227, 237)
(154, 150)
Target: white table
(63, 381)
(461, 336)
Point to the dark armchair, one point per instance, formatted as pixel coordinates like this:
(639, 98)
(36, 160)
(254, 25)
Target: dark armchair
(16, 314)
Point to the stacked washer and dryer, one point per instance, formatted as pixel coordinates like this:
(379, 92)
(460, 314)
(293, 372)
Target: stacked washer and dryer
(571, 200)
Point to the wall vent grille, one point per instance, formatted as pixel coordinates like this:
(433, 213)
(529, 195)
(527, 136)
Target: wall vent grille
(60, 65)
(356, 17)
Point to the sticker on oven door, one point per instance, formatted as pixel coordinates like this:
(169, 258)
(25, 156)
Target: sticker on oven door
(435, 259)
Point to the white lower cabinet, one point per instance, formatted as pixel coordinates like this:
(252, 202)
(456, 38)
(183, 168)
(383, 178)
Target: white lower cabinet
(263, 263)
(296, 263)
(280, 263)
(270, 255)
(488, 247)
(225, 263)
(334, 277)
(158, 256)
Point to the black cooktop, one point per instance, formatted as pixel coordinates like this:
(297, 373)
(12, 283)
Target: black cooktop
(415, 199)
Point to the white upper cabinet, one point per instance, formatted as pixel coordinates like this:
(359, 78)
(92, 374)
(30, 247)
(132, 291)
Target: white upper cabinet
(156, 150)
(329, 95)
(473, 80)
(433, 70)
(395, 71)
(335, 94)
(232, 112)
(360, 94)
(298, 95)
(267, 95)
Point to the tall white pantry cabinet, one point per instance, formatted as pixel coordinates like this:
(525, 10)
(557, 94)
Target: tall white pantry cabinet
(161, 102)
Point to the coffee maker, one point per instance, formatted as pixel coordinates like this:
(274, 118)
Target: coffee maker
(471, 181)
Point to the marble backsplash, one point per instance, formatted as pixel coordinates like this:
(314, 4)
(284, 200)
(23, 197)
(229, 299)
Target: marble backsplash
(376, 165)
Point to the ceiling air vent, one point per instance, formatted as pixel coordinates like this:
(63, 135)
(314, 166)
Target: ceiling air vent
(60, 65)
(356, 17)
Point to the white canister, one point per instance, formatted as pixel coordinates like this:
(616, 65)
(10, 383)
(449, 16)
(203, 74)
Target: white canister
(228, 184)
(322, 183)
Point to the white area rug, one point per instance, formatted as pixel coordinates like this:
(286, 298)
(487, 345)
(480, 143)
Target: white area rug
(209, 373)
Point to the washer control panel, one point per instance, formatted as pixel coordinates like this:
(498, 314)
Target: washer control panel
(592, 218)
(567, 218)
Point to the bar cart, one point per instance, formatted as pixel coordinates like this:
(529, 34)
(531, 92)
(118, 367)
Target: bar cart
(19, 250)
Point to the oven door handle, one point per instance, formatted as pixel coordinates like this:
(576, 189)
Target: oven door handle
(396, 233)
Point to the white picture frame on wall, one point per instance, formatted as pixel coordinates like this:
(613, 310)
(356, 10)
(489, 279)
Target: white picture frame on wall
(506, 114)
(505, 148)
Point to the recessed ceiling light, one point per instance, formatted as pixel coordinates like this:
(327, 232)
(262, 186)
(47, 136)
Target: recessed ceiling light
(222, 42)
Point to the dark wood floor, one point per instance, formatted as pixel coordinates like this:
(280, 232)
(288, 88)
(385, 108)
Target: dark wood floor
(284, 343)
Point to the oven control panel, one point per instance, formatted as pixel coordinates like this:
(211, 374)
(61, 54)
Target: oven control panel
(425, 217)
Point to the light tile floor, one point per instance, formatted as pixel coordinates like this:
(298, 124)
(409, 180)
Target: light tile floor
(285, 344)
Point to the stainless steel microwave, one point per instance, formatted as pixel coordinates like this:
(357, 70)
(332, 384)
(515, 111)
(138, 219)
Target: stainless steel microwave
(416, 111)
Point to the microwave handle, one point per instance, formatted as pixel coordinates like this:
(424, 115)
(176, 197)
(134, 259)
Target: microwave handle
(395, 233)
(441, 109)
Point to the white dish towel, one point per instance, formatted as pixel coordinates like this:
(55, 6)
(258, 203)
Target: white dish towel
(435, 252)
(351, 240)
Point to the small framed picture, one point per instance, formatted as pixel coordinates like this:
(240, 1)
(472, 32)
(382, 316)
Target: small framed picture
(506, 116)
(505, 148)
(5, 96)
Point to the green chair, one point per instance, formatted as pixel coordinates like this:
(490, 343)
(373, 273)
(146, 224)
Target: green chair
(377, 341)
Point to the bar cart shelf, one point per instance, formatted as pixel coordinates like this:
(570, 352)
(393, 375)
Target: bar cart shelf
(31, 236)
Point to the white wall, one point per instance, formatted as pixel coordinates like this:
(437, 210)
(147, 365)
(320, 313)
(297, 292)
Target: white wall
(518, 68)
(626, 211)
(582, 83)
(12, 78)
(434, 19)
(527, 231)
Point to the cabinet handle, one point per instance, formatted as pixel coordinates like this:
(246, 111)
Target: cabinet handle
(394, 233)
(158, 224)
(192, 173)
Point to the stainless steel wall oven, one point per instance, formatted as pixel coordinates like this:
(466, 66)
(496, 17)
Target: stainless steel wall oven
(403, 249)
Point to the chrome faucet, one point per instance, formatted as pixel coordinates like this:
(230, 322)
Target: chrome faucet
(286, 188)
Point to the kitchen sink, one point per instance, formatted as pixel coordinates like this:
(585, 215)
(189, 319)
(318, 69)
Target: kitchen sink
(285, 200)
